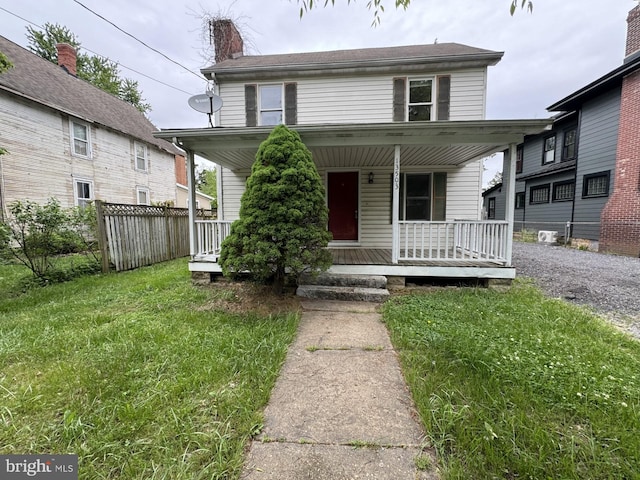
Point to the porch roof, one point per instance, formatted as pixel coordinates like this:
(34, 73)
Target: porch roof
(444, 143)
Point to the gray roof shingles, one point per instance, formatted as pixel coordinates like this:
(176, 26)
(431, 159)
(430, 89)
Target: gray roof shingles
(357, 56)
(39, 80)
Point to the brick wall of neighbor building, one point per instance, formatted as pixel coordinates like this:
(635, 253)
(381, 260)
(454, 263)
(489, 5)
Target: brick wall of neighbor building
(620, 219)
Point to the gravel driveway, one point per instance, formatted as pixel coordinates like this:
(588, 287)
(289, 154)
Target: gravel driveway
(609, 284)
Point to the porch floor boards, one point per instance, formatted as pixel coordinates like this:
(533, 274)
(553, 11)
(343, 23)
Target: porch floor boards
(382, 256)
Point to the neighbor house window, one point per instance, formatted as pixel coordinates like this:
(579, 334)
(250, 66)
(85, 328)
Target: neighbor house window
(563, 191)
(596, 185)
(569, 145)
(142, 196)
(549, 154)
(83, 192)
(520, 200)
(519, 158)
(491, 208)
(539, 194)
(142, 156)
(423, 196)
(270, 98)
(420, 105)
(80, 139)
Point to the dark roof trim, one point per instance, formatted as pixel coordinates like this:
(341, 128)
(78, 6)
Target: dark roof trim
(552, 170)
(606, 82)
(492, 189)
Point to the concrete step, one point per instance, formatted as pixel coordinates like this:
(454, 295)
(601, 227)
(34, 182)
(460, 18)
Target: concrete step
(358, 294)
(342, 280)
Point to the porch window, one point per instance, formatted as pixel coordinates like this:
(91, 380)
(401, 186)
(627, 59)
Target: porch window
(519, 158)
(423, 196)
(549, 155)
(420, 105)
(142, 155)
(80, 139)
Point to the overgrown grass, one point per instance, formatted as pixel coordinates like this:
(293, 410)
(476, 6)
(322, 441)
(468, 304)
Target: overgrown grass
(515, 385)
(134, 374)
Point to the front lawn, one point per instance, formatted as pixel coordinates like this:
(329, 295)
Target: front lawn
(518, 386)
(136, 372)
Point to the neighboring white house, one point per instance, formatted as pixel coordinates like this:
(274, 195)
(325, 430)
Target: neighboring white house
(67, 139)
(397, 135)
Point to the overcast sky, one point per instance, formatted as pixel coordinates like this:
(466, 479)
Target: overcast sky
(562, 46)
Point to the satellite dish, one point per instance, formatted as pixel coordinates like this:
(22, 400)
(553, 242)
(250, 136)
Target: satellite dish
(206, 103)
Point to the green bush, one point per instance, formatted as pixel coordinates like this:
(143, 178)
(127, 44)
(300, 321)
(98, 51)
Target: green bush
(283, 216)
(37, 235)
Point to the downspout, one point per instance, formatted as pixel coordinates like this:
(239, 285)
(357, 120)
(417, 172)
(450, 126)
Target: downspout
(575, 177)
(2, 214)
(395, 227)
(510, 184)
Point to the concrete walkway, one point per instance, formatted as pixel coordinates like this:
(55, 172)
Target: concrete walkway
(340, 408)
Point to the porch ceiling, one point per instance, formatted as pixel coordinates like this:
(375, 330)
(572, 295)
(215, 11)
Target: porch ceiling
(422, 143)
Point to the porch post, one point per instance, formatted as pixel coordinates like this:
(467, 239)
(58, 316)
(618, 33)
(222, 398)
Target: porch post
(509, 182)
(191, 191)
(395, 227)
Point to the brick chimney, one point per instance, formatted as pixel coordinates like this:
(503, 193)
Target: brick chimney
(67, 57)
(227, 41)
(181, 170)
(620, 218)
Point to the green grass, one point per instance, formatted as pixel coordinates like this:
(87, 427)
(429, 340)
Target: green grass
(515, 385)
(134, 373)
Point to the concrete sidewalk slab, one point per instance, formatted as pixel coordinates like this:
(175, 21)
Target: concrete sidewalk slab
(285, 461)
(340, 408)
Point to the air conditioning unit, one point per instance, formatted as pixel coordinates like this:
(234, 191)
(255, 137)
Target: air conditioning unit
(546, 236)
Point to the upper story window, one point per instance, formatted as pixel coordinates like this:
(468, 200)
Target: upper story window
(270, 99)
(420, 104)
(80, 139)
(421, 99)
(83, 192)
(519, 158)
(142, 156)
(549, 155)
(271, 104)
(569, 145)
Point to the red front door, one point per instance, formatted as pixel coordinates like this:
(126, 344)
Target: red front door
(342, 193)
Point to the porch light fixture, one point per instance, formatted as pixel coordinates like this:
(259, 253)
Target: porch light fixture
(370, 177)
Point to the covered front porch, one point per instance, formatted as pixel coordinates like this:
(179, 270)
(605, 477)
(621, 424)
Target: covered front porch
(460, 245)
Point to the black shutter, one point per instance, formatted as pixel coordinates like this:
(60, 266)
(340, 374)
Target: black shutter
(444, 96)
(399, 101)
(251, 104)
(290, 103)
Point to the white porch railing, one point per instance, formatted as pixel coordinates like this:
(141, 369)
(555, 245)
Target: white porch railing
(454, 240)
(209, 236)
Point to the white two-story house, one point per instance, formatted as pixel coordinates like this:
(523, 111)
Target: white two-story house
(397, 135)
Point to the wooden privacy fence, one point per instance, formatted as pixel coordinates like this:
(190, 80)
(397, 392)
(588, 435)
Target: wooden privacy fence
(132, 236)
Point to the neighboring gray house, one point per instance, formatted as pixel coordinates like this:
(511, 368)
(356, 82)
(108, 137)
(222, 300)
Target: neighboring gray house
(67, 139)
(566, 175)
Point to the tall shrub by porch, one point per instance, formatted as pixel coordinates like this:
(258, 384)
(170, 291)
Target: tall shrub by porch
(283, 216)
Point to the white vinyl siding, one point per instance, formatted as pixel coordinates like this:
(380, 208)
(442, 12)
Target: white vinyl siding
(358, 99)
